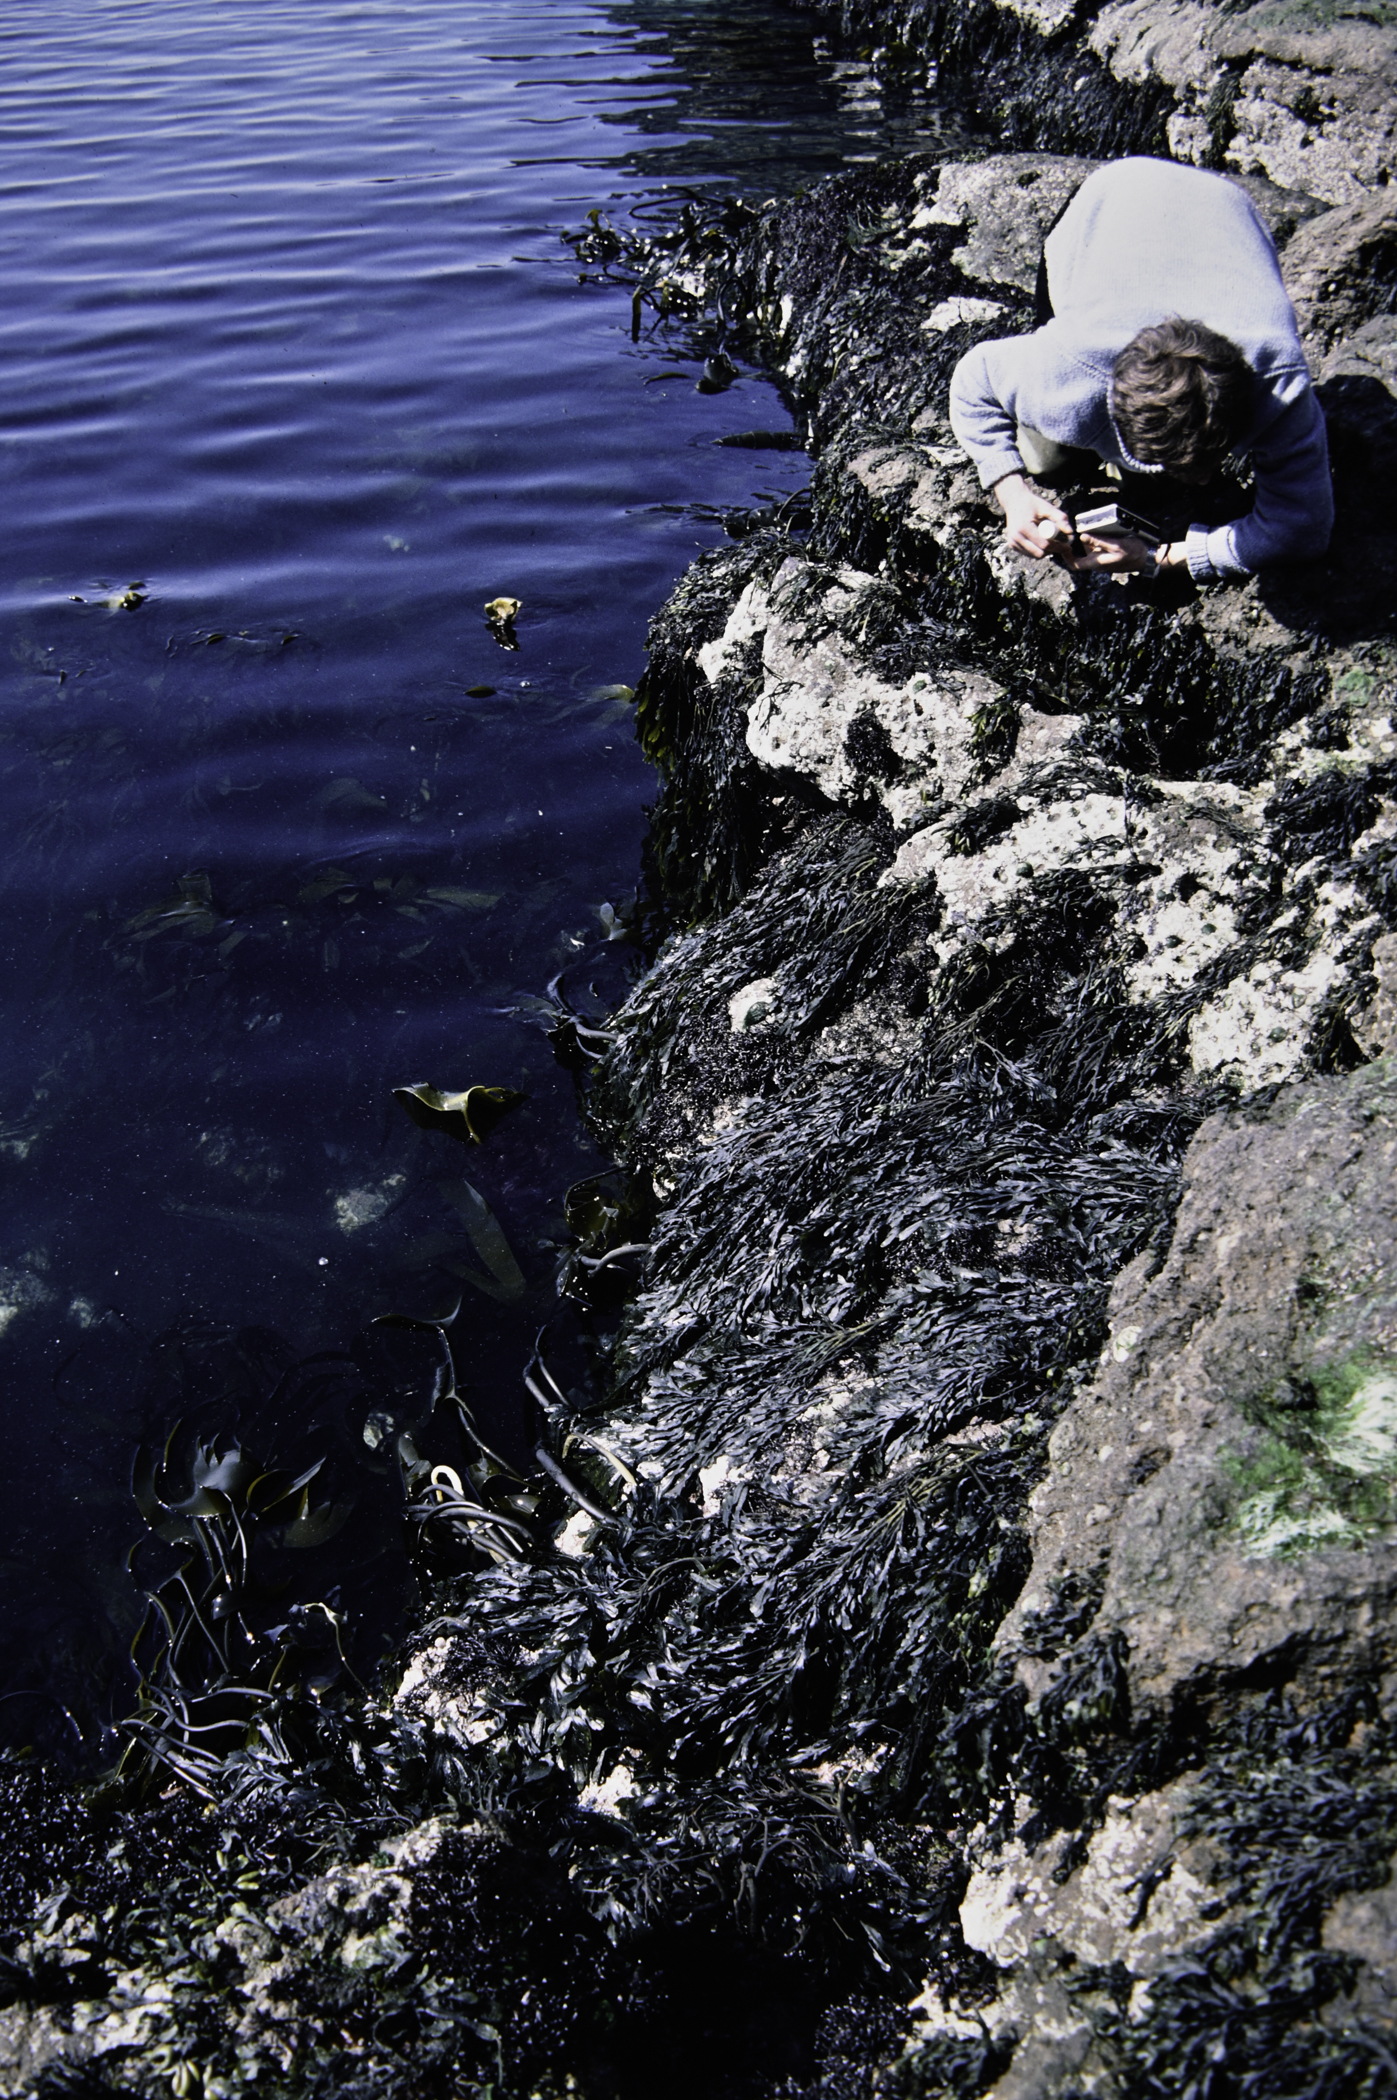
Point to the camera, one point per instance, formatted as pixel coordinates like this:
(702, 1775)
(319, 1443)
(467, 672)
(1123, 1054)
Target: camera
(1112, 521)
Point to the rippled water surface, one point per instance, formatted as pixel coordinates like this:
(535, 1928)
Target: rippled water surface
(295, 375)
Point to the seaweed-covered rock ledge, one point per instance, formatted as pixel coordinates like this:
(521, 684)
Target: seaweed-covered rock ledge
(1044, 1527)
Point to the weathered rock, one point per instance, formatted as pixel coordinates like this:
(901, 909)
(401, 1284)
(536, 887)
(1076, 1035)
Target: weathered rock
(1314, 108)
(1232, 1471)
(1375, 1025)
(1006, 206)
(1364, 1925)
(1341, 271)
(825, 717)
(1179, 867)
(1140, 41)
(1143, 1896)
(31, 2041)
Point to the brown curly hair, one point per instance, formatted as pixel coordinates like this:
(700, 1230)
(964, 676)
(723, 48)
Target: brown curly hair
(1180, 393)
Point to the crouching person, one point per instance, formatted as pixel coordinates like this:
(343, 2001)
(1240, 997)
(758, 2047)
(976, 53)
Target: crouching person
(1166, 342)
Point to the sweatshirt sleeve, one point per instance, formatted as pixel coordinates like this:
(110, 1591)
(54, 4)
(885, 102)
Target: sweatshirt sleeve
(1293, 514)
(985, 388)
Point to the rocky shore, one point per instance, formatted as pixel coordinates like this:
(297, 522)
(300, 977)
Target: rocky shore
(964, 1659)
(1297, 92)
(1109, 865)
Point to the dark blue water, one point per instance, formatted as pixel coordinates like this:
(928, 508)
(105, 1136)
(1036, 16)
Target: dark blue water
(295, 376)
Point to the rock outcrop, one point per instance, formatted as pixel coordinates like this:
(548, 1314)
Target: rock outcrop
(1054, 874)
(1244, 1419)
(1299, 92)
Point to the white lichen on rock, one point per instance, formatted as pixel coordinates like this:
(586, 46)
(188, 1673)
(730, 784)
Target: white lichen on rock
(815, 685)
(1098, 1913)
(1179, 861)
(953, 313)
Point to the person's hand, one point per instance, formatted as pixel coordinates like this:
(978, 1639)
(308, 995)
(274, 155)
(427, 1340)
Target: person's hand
(1121, 557)
(1118, 556)
(1031, 523)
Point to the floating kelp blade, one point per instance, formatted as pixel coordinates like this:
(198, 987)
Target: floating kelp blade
(604, 240)
(176, 1531)
(221, 1473)
(469, 1116)
(265, 1491)
(347, 795)
(415, 1322)
(312, 1527)
(549, 1465)
(762, 440)
(443, 1510)
(213, 1482)
(489, 1242)
(719, 372)
(209, 1670)
(189, 910)
(328, 884)
(591, 1209)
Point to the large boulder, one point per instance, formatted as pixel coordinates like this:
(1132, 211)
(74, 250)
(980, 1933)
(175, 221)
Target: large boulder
(1231, 1476)
(1219, 1519)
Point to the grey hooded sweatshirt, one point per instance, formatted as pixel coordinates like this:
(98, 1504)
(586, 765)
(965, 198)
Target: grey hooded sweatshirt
(1142, 241)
